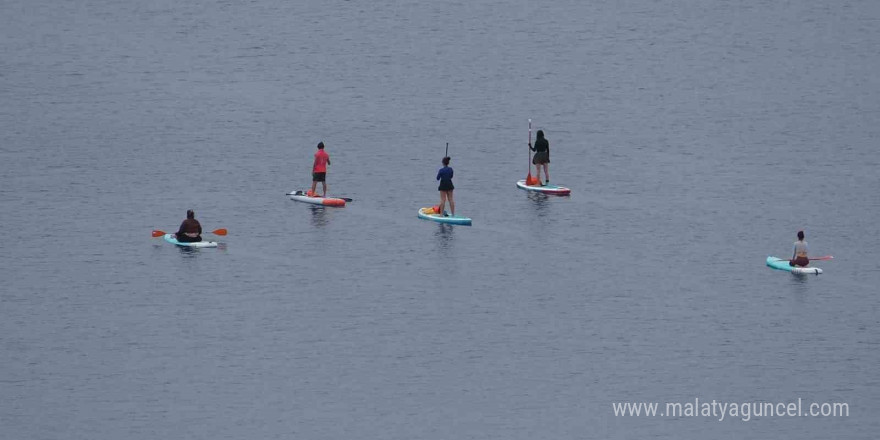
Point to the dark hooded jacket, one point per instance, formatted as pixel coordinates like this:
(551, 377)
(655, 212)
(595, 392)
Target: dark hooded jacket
(190, 226)
(541, 144)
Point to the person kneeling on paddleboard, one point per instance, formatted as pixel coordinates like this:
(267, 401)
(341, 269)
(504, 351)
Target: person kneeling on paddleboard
(799, 257)
(319, 170)
(190, 230)
(542, 156)
(446, 187)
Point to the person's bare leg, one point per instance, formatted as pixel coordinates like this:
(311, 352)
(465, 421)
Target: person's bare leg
(547, 172)
(442, 202)
(314, 185)
(324, 185)
(538, 170)
(451, 202)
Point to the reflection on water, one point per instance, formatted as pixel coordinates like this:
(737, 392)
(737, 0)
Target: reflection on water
(800, 286)
(186, 251)
(444, 235)
(319, 216)
(801, 279)
(540, 202)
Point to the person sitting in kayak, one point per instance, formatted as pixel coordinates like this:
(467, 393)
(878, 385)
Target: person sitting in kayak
(799, 257)
(446, 187)
(319, 170)
(542, 156)
(190, 230)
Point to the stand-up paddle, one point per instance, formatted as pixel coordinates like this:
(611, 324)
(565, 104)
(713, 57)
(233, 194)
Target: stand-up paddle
(529, 153)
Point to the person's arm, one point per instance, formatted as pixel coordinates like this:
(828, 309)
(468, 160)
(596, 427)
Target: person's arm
(794, 252)
(451, 172)
(328, 159)
(182, 228)
(531, 147)
(439, 172)
(200, 227)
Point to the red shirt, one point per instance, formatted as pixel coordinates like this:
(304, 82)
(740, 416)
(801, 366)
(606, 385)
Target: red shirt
(321, 161)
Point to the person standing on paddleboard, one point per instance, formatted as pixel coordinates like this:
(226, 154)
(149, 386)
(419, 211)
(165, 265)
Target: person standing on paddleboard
(446, 187)
(319, 170)
(190, 230)
(542, 156)
(799, 257)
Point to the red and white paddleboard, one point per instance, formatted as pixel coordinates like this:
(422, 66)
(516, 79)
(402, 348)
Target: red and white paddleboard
(300, 196)
(547, 189)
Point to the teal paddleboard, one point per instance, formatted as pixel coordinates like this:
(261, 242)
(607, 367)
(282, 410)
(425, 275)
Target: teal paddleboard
(429, 214)
(199, 244)
(780, 264)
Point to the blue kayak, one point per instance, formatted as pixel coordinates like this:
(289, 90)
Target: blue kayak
(199, 244)
(780, 264)
(429, 214)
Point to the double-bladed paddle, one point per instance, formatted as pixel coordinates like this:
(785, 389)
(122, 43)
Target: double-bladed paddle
(221, 231)
(826, 257)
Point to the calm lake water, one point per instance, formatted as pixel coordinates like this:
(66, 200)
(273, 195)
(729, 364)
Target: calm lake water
(697, 137)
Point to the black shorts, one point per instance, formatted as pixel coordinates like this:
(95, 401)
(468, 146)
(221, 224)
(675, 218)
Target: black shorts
(541, 158)
(799, 261)
(319, 177)
(446, 187)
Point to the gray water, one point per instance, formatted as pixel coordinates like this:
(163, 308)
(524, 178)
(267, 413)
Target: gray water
(697, 136)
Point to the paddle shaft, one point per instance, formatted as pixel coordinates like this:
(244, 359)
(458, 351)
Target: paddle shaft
(447, 150)
(529, 151)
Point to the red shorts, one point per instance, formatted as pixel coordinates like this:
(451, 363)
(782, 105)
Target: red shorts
(800, 261)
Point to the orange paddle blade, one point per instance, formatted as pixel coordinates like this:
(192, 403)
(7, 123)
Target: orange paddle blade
(221, 231)
(157, 233)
